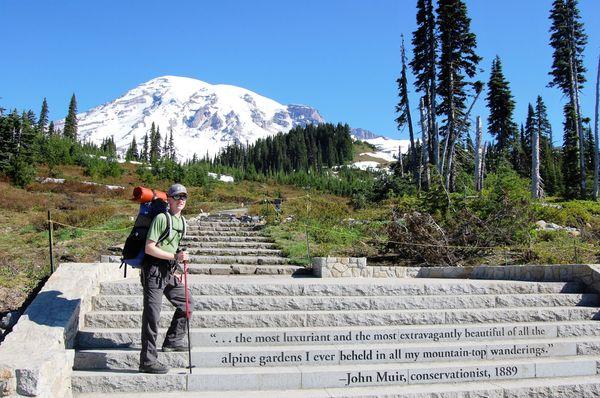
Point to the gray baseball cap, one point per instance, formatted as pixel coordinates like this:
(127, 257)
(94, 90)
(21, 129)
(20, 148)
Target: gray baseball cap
(176, 189)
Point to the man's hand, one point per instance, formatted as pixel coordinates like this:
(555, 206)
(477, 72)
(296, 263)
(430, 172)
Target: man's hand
(182, 256)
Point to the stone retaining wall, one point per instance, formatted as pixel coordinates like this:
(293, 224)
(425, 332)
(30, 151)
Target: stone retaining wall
(46, 333)
(348, 267)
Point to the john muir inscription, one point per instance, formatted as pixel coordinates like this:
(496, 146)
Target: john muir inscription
(391, 355)
(411, 376)
(388, 335)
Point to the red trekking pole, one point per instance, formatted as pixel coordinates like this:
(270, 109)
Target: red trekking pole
(187, 312)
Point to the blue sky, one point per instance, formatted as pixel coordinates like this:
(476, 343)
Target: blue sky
(340, 56)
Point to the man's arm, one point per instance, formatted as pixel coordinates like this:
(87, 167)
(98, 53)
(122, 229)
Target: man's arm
(157, 252)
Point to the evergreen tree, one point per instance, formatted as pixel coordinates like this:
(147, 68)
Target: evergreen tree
(43, 120)
(9, 126)
(424, 66)
(458, 60)
(70, 128)
(568, 40)
(501, 105)
(144, 155)
(590, 146)
(153, 145)
(570, 155)
(403, 110)
(155, 139)
(531, 126)
(549, 168)
(172, 152)
(165, 149)
(51, 129)
(132, 151)
(31, 118)
(541, 116)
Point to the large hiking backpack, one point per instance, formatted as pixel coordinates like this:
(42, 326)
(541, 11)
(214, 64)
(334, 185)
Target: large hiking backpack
(134, 248)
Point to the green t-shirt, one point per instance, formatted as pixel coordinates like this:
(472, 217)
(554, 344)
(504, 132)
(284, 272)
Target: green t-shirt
(159, 225)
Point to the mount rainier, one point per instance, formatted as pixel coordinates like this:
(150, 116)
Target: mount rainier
(203, 117)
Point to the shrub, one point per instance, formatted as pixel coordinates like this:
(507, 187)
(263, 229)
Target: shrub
(452, 229)
(22, 173)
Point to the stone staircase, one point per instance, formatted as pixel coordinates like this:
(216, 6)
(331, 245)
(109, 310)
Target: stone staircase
(278, 336)
(221, 245)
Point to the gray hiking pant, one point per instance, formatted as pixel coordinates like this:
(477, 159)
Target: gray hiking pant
(158, 280)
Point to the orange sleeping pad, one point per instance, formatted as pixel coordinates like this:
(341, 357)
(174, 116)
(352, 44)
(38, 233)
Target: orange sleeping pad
(143, 195)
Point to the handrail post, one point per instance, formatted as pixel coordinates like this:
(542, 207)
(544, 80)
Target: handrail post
(50, 243)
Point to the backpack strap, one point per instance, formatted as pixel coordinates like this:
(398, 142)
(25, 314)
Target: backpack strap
(184, 227)
(167, 232)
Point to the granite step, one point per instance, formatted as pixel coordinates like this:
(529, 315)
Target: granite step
(223, 223)
(398, 334)
(247, 269)
(195, 232)
(215, 319)
(343, 354)
(232, 251)
(220, 259)
(238, 259)
(308, 286)
(239, 227)
(334, 376)
(230, 245)
(227, 239)
(555, 387)
(286, 303)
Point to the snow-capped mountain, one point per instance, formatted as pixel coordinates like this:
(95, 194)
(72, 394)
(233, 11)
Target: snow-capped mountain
(363, 134)
(203, 117)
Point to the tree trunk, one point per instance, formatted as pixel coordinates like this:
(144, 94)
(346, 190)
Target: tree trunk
(536, 191)
(424, 146)
(478, 159)
(482, 170)
(432, 94)
(596, 154)
(574, 97)
(400, 161)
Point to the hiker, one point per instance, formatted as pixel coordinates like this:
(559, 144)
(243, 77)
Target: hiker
(159, 276)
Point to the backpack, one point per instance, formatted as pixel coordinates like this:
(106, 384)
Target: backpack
(134, 248)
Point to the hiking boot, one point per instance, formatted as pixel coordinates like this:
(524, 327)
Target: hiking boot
(155, 368)
(174, 347)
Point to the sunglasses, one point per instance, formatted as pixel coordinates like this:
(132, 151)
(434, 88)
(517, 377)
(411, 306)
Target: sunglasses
(178, 197)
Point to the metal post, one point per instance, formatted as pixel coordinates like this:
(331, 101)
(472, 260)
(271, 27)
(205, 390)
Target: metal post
(307, 237)
(50, 243)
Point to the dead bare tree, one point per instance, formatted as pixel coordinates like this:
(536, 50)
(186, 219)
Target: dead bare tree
(536, 188)
(478, 159)
(424, 146)
(596, 160)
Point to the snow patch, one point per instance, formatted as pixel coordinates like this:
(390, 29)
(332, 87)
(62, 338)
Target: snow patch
(221, 177)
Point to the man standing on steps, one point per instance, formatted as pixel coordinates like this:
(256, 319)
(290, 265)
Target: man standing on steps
(158, 277)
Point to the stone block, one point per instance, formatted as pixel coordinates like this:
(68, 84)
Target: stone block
(347, 273)
(566, 368)
(319, 262)
(339, 267)
(361, 262)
